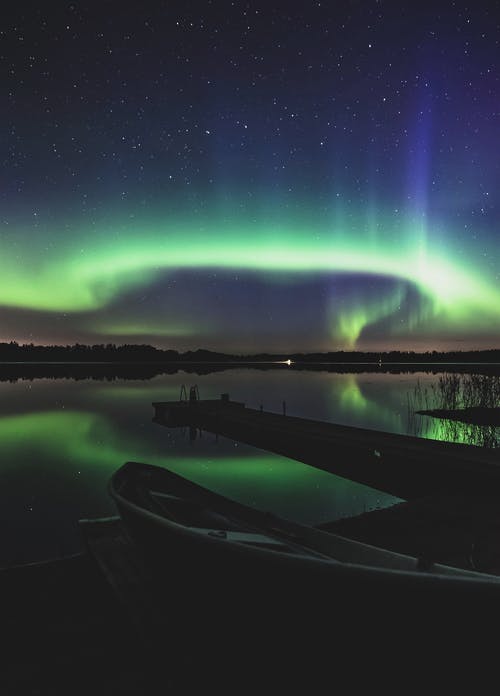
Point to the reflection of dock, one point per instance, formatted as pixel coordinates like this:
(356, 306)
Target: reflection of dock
(407, 467)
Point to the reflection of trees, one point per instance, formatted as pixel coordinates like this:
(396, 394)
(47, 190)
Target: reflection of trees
(455, 391)
(109, 372)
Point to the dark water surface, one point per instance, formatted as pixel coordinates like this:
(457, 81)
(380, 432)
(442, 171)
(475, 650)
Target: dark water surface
(61, 439)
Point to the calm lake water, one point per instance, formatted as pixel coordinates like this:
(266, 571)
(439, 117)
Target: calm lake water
(61, 439)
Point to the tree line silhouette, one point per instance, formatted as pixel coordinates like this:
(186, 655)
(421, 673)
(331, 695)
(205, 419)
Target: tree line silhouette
(147, 354)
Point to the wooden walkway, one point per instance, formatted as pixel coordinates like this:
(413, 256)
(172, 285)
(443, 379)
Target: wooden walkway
(404, 466)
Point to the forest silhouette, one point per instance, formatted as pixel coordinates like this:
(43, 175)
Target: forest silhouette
(147, 354)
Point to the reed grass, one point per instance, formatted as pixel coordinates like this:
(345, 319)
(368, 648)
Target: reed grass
(455, 391)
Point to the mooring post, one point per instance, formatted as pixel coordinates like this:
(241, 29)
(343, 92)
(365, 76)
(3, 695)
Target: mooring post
(194, 395)
(284, 408)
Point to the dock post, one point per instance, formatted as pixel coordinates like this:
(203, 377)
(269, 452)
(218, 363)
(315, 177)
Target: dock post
(284, 408)
(194, 395)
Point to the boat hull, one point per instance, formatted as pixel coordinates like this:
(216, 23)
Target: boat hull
(212, 573)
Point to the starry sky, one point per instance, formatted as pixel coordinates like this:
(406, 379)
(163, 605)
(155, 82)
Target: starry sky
(250, 176)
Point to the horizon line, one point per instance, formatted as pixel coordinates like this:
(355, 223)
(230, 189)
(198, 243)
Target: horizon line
(14, 345)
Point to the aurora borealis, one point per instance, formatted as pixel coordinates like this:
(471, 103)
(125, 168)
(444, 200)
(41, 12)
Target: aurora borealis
(251, 176)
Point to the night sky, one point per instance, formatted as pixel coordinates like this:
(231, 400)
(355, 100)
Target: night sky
(251, 176)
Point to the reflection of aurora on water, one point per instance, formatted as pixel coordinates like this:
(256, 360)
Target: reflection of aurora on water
(69, 443)
(454, 431)
(357, 399)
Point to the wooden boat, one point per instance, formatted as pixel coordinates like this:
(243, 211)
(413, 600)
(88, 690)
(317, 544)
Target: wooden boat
(174, 519)
(253, 595)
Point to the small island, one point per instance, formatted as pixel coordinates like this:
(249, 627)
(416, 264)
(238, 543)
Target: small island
(473, 415)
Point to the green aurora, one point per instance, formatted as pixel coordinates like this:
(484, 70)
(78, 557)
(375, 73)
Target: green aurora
(455, 295)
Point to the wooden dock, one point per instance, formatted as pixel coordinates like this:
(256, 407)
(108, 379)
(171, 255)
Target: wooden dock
(404, 466)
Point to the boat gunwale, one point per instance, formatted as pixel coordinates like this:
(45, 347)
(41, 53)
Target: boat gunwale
(451, 576)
